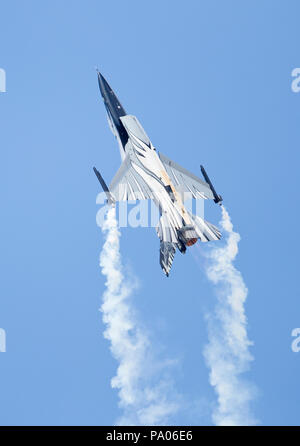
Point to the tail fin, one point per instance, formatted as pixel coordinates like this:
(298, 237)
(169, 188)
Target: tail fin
(166, 256)
(205, 230)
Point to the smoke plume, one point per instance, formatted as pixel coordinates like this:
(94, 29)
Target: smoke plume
(227, 353)
(144, 398)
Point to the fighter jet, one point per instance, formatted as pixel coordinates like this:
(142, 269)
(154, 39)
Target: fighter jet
(147, 174)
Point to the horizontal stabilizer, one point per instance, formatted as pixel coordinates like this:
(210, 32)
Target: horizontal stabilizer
(206, 231)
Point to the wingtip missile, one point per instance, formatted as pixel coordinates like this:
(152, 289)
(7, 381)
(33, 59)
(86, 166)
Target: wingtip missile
(110, 198)
(217, 198)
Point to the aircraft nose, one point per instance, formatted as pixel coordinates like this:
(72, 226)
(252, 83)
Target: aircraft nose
(110, 99)
(113, 106)
(102, 86)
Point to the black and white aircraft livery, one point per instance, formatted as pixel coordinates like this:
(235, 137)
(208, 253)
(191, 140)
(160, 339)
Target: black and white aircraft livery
(147, 174)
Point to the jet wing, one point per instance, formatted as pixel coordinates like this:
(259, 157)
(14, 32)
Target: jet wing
(185, 181)
(127, 185)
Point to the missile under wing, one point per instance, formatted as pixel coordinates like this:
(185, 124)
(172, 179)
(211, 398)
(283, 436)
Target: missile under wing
(146, 174)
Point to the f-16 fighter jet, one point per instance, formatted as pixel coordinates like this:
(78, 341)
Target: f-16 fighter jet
(146, 174)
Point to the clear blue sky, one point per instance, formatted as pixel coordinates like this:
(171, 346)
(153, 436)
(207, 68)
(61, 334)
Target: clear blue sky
(210, 82)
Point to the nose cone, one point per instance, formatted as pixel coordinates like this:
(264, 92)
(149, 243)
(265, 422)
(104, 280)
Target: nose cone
(114, 109)
(111, 101)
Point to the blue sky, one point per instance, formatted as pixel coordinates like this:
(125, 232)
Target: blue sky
(211, 83)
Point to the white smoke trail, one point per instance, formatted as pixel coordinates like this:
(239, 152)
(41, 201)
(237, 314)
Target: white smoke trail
(142, 402)
(227, 353)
